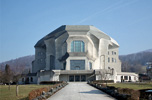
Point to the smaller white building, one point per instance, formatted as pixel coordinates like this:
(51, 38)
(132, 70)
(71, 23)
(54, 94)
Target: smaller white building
(126, 77)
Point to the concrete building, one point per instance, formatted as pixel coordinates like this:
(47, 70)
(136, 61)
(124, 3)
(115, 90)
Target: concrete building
(77, 53)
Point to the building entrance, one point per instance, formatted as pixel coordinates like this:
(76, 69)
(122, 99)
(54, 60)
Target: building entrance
(77, 78)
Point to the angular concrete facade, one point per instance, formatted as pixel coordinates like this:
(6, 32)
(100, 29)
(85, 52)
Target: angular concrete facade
(76, 53)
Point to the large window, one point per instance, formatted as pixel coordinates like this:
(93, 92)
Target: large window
(77, 64)
(77, 46)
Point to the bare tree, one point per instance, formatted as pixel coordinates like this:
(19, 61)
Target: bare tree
(17, 75)
(105, 74)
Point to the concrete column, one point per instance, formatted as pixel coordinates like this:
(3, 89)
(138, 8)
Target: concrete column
(50, 50)
(103, 48)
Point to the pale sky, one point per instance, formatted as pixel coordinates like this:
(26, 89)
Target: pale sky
(24, 22)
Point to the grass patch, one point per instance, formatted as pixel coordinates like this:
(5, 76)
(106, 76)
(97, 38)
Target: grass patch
(24, 90)
(135, 86)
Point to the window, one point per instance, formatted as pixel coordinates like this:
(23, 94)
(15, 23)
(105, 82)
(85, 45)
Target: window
(77, 78)
(115, 60)
(108, 59)
(71, 78)
(40, 53)
(77, 46)
(22, 79)
(126, 77)
(115, 53)
(83, 78)
(77, 67)
(90, 65)
(112, 59)
(121, 77)
(112, 52)
(31, 79)
(108, 52)
(77, 64)
(52, 60)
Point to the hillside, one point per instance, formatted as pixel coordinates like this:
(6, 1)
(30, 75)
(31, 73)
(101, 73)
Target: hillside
(135, 62)
(24, 62)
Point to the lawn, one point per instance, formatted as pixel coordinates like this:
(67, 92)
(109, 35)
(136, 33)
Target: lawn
(24, 90)
(135, 86)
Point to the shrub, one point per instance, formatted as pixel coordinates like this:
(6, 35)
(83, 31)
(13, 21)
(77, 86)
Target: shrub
(143, 94)
(103, 81)
(111, 87)
(35, 93)
(120, 90)
(135, 95)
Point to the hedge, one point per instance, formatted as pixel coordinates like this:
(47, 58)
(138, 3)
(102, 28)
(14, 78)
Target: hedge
(37, 92)
(122, 93)
(103, 81)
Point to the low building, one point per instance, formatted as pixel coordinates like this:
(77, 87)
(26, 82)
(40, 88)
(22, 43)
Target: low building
(30, 78)
(78, 53)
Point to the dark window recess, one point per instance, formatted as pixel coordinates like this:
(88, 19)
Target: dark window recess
(83, 78)
(129, 77)
(71, 78)
(52, 60)
(64, 65)
(31, 79)
(126, 77)
(77, 78)
(22, 79)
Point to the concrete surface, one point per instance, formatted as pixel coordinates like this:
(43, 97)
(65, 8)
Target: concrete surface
(80, 91)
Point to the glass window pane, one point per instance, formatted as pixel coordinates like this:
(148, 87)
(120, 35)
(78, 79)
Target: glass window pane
(72, 46)
(77, 46)
(77, 64)
(90, 64)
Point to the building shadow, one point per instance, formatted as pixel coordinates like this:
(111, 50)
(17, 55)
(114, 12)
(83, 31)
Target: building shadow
(93, 92)
(98, 92)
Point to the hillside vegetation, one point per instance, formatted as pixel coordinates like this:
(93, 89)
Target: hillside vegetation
(24, 62)
(136, 62)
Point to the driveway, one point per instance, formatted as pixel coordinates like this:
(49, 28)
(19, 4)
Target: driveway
(80, 91)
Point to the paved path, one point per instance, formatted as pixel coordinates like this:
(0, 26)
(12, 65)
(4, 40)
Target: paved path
(80, 91)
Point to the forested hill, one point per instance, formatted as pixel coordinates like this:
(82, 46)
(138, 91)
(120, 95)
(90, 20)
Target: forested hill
(136, 62)
(24, 62)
